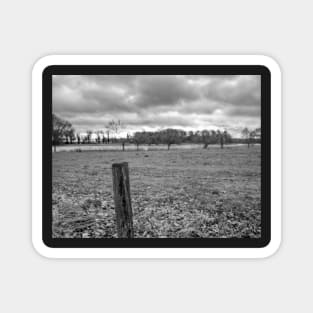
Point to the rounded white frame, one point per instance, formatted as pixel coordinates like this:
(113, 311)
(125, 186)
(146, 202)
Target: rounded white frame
(276, 166)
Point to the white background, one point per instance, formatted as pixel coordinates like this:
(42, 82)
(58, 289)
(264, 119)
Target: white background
(32, 29)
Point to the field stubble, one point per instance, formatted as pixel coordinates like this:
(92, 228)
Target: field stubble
(177, 193)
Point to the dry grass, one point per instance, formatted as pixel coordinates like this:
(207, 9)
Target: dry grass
(178, 193)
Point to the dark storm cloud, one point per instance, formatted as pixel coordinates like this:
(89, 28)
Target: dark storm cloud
(145, 102)
(163, 90)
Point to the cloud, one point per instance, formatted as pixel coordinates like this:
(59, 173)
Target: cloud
(158, 101)
(243, 91)
(163, 91)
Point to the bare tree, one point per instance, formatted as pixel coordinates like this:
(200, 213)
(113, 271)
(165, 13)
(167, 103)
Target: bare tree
(78, 138)
(108, 135)
(89, 134)
(60, 129)
(222, 139)
(205, 138)
(114, 127)
(227, 137)
(108, 128)
(246, 135)
(99, 133)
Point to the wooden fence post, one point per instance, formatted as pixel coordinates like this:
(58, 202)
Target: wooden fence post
(122, 200)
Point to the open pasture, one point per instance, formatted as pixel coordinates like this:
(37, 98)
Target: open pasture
(177, 193)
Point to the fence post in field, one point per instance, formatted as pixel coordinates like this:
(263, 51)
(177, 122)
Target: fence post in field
(122, 200)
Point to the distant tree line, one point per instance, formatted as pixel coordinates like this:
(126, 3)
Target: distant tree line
(64, 133)
(251, 136)
(172, 136)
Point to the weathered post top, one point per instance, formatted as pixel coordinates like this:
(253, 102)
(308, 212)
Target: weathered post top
(122, 164)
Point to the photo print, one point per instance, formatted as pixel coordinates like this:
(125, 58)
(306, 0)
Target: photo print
(156, 157)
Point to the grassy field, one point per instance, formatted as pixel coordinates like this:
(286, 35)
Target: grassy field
(176, 193)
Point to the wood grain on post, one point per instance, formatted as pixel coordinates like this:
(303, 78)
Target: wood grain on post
(122, 200)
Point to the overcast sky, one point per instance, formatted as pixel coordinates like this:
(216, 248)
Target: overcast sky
(151, 102)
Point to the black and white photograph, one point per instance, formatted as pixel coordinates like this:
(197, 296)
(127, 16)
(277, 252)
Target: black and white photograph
(156, 156)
